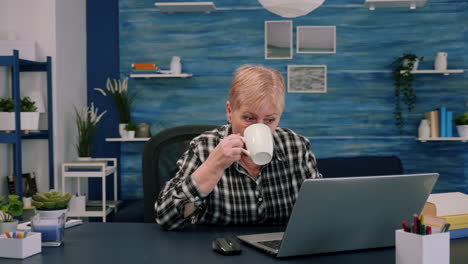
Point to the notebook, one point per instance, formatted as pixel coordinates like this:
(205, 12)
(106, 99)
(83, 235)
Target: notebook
(352, 213)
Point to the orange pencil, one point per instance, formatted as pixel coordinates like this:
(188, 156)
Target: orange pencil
(7, 234)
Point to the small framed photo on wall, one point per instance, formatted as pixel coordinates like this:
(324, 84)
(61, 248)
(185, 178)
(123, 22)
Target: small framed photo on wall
(316, 39)
(307, 78)
(278, 40)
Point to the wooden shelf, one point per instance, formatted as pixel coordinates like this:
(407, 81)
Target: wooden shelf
(444, 72)
(173, 7)
(411, 4)
(161, 75)
(127, 139)
(464, 140)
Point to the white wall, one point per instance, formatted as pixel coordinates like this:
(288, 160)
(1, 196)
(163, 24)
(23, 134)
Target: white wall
(59, 29)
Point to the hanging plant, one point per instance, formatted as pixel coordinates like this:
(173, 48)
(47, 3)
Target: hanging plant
(403, 80)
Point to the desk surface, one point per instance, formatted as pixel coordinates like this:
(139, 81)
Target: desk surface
(136, 243)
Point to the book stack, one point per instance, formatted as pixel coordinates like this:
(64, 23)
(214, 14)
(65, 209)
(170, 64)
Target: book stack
(449, 208)
(440, 122)
(144, 68)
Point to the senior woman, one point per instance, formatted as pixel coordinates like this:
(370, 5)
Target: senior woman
(217, 184)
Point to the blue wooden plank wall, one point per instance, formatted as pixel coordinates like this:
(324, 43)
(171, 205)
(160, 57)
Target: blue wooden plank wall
(354, 117)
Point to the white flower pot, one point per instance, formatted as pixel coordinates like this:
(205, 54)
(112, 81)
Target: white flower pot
(462, 131)
(8, 226)
(29, 121)
(131, 134)
(122, 131)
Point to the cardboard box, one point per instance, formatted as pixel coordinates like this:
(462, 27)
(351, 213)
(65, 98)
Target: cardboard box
(20, 248)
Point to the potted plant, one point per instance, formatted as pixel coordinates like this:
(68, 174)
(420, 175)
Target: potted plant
(131, 128)
(10, 207)
(461, 121)
(86, 122)
(118, 89)
(29, 116)
(51, 204)
(403, 80)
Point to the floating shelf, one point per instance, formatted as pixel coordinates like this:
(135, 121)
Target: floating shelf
(464, 139)
(411, 4)
(161, 75)
(173, 7)
(127, 139)
(444, 72)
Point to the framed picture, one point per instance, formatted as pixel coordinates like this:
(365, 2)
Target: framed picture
(307, 78)
(278, 40)
(316, 39)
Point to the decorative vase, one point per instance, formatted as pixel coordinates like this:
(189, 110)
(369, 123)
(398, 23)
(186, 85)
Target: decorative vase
(122, 131)
(440, 62)
(424, 129)
(176, 67)
(463, 131)
(8, 226)
(143, 131)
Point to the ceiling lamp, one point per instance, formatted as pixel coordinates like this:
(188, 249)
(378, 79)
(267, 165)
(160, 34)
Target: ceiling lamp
(291, 8)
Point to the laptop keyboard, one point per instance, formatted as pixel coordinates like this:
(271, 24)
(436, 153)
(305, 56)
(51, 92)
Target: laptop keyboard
(274, 244)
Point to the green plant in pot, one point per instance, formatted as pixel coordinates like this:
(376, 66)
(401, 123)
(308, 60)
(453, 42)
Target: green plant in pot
(51, 204)
(461, 121)
(29, 116)
(86, 123)
(131, 128)
(122, 98)
(10, 207)
(403, 79)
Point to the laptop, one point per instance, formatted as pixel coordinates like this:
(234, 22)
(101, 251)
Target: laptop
(341, 214)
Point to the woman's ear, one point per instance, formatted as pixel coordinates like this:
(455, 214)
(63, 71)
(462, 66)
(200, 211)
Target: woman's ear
(228, 111)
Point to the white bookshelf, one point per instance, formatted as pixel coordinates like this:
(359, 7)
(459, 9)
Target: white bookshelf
(173, 7)
(411, 4)
(444, 72)
(161, 75)
(464, 139)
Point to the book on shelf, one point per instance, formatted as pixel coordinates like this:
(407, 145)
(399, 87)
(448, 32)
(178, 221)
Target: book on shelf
(443, 121)
(144, 66)
(449, 124)
(440, 122)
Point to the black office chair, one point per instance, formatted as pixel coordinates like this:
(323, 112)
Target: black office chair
(160, 155)
(359, 166)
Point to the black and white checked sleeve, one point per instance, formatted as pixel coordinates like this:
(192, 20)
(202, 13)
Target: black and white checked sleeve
(179, 191)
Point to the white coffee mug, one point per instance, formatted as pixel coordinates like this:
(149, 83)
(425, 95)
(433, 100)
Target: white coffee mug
(259, 143)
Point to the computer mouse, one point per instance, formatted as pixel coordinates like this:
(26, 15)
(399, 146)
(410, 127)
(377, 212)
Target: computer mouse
(226, 245)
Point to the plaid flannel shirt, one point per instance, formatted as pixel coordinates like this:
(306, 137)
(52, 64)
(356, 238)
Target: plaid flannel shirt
(238, 198)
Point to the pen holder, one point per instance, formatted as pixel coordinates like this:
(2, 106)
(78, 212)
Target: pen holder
(20, 248)
(422, 249)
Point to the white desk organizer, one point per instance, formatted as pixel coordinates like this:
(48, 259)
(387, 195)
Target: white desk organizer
(20, 248)
(422, 249)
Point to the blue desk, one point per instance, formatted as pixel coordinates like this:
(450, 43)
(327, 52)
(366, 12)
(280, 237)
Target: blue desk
(135, 243)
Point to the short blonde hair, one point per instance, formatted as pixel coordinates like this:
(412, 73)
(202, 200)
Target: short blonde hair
(257, 86)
